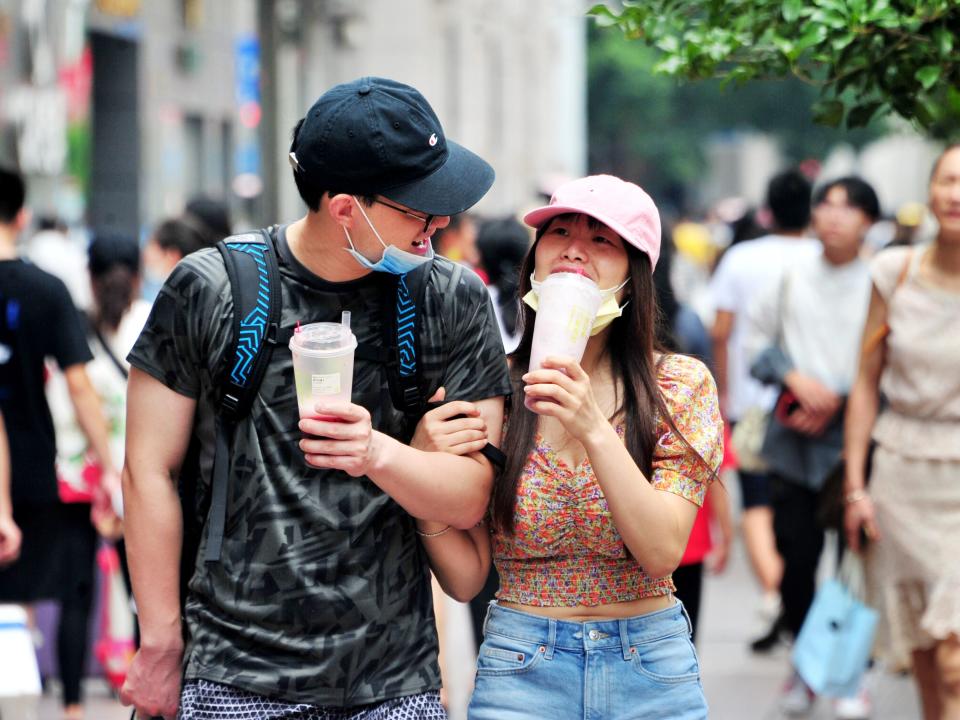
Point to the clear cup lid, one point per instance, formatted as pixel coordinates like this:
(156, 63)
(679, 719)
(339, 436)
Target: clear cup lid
(323, 339)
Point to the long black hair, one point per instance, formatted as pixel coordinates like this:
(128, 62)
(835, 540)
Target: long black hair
(631, 347)
(114, 264)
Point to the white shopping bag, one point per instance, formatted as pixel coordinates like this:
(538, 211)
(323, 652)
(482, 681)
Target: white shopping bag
(19, 674)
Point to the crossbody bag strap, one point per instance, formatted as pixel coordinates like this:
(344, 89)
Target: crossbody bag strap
(880, 334)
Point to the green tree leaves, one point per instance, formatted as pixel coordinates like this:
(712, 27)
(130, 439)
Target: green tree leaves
(864, 56)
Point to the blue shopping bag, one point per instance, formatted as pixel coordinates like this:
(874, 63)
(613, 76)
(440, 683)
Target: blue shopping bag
(833, 648)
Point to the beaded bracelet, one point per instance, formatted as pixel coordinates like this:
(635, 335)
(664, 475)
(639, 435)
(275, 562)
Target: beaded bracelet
(433, 534)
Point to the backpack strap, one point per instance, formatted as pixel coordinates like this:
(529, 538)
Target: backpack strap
(400, 344)
(254, 276)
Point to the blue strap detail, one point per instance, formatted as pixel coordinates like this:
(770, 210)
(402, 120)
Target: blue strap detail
(254, 326)
(406, 327)
(13, 626)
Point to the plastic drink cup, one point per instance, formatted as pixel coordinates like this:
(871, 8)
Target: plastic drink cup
(567, 306)
(322, 365)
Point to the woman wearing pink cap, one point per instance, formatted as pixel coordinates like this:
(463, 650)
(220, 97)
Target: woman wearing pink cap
(608, 460)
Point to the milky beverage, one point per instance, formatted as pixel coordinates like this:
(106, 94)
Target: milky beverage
(566, 308)
(323, 364)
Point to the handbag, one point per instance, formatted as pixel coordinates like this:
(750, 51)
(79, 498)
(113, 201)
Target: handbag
(834, 645)
(751, 430)
(747, 439)
(114, 647)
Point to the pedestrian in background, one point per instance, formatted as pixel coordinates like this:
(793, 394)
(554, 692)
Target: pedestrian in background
(608, 460)
(911, 508)
(743, 272)
(503, 244)
(681, 330)
(805, 339)
(171, 241)
(38, 320)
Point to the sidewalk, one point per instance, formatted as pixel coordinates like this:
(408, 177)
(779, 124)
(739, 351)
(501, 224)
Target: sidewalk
(742, 686)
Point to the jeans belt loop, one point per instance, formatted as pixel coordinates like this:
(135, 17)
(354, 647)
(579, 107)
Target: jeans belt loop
(625, 638)
(551, 638)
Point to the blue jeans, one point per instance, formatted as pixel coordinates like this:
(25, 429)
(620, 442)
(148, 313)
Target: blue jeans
(535, 667)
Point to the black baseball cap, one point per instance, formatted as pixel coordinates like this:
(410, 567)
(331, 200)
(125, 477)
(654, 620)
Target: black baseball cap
(375, 136)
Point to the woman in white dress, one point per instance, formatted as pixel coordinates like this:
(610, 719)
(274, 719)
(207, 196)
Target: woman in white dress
(911, 509)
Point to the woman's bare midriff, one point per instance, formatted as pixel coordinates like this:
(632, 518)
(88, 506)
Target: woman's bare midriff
(587, 613)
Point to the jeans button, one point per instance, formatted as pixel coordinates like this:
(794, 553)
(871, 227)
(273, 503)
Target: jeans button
(593, 635)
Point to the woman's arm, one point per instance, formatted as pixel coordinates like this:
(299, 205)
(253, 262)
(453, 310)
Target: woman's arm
(861, 414)
(460, 559)
(654, 524)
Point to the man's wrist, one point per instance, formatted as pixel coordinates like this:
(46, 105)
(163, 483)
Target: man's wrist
(381, 450)
(162, 637)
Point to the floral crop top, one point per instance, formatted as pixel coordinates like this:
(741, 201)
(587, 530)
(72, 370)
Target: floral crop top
(566, 550)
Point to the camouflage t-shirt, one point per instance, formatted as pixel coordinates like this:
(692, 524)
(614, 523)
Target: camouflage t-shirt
(322, 595)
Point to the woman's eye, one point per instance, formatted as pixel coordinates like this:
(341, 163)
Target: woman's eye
(602, 239)
(559, 231)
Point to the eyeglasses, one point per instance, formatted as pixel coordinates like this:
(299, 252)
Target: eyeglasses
(426, 220)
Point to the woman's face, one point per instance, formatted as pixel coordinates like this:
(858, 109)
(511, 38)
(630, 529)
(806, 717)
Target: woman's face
(945, 195)
(580, 244)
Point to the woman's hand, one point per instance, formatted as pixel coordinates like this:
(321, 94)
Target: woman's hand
(561, 389)
(456, 428)
(860, 514)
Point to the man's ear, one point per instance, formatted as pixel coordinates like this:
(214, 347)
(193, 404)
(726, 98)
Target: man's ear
(341, 209)
(22, 219)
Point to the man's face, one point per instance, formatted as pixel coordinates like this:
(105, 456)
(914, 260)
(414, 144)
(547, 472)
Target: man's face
(399, 226)
(839, 225)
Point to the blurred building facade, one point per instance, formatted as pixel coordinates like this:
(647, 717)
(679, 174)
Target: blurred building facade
(119, 111)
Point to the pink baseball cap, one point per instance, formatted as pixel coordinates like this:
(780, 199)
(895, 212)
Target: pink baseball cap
(620, 205)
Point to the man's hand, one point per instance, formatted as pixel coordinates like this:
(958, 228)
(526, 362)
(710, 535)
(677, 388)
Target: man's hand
(153, 682)
(808, 423)
(344, 441)
(442, 430)
(813, 396)
(10, 539)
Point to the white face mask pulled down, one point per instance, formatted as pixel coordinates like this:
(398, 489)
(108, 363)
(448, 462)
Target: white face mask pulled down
(608, 312)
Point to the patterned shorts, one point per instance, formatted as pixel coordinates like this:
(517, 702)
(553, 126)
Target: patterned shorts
(204, 700)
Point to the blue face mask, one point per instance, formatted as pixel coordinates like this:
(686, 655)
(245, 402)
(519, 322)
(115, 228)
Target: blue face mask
(394, 261)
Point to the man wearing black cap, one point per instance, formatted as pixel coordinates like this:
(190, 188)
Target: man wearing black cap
(320, 604)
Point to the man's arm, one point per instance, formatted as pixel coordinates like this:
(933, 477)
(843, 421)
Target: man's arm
(720, 335)
(159, 424)
(9, 532)
(436, 486)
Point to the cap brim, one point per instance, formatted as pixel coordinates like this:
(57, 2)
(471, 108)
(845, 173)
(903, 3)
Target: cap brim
(536, 219)
(455, 186)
